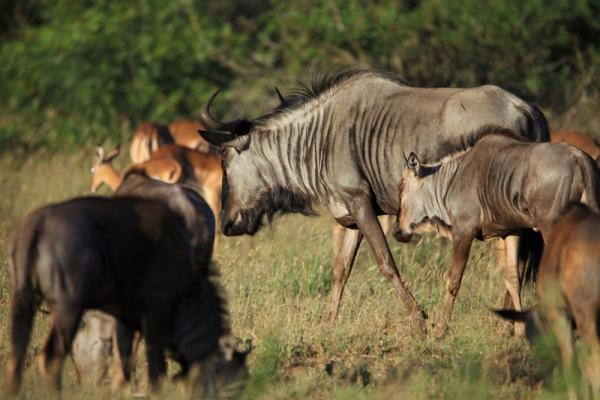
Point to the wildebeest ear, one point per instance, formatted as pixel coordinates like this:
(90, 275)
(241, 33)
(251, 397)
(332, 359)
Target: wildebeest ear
(240, 143)
(282, 102)
(413, 164)
(512, 315)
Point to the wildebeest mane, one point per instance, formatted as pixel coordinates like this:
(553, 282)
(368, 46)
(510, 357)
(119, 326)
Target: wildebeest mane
(278, 200)
(321, 82)
(468, 141)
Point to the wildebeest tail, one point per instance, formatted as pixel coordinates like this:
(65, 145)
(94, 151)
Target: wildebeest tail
(537, 125)
(591, 176)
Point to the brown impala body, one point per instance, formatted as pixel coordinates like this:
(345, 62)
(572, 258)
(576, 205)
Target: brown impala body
(170, 164)
(568, 291)
(579, 140)
(149, 137)
(144, 260)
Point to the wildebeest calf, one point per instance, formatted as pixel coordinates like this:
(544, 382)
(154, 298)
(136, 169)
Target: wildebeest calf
(568, 290)
(495, 189)
(131, 257)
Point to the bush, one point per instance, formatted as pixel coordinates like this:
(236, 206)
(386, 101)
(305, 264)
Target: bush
(94, 69)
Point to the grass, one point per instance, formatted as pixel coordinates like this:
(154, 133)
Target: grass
(278, 286)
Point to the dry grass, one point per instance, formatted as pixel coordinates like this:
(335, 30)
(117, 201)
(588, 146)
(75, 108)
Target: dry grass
(278, 286)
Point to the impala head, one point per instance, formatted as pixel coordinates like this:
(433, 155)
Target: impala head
(412, 210)
(102, 169)
(251, 190)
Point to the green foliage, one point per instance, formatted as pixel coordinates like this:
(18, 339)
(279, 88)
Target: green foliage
(72, 71)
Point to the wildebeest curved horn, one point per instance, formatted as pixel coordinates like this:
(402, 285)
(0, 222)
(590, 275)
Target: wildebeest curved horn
(214, 124)
(281, 98)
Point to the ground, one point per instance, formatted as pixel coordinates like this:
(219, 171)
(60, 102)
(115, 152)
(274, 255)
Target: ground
(278, 287)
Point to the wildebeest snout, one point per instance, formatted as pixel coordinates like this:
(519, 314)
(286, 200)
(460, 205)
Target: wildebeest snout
(401, 235)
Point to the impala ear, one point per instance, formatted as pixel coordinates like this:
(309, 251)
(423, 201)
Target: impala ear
(98, 155)
(113, 154)
(413, 164)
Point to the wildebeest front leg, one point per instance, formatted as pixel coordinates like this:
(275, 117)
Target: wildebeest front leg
(461, 248)
(366, 220)
(342, 267)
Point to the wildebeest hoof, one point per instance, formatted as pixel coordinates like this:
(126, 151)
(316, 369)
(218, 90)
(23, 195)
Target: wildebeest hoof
(440, 331)
(419, 323)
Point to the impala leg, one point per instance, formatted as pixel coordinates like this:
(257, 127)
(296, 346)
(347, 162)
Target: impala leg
(512, 278)
(342, 268)
(366, 220)
(213, 198)
(461, 248)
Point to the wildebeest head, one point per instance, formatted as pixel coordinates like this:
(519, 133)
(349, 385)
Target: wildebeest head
(412, 209)
(224, 375)
(250, 190)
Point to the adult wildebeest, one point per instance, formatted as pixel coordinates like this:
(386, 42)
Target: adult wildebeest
(496, 188)
(568, 290)
(338, 144)
(142, 260)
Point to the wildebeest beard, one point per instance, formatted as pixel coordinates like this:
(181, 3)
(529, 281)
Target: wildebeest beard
(278, 200)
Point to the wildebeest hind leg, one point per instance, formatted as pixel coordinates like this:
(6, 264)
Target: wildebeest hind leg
(587, 320)
(123, 348)
(22, 312)
(367, 222)
(154, 335)
(58, 344)
(342, 268)
(512, 278)
(460, 255)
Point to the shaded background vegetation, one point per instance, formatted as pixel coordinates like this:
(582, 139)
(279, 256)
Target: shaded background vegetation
(75, 71)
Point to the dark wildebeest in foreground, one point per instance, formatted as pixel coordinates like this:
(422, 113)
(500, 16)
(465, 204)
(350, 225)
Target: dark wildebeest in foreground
(338, 144)
(149, 137)
(134, 258)
(579, 140)
(499, 186)
(568, 290)
(136, 182)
